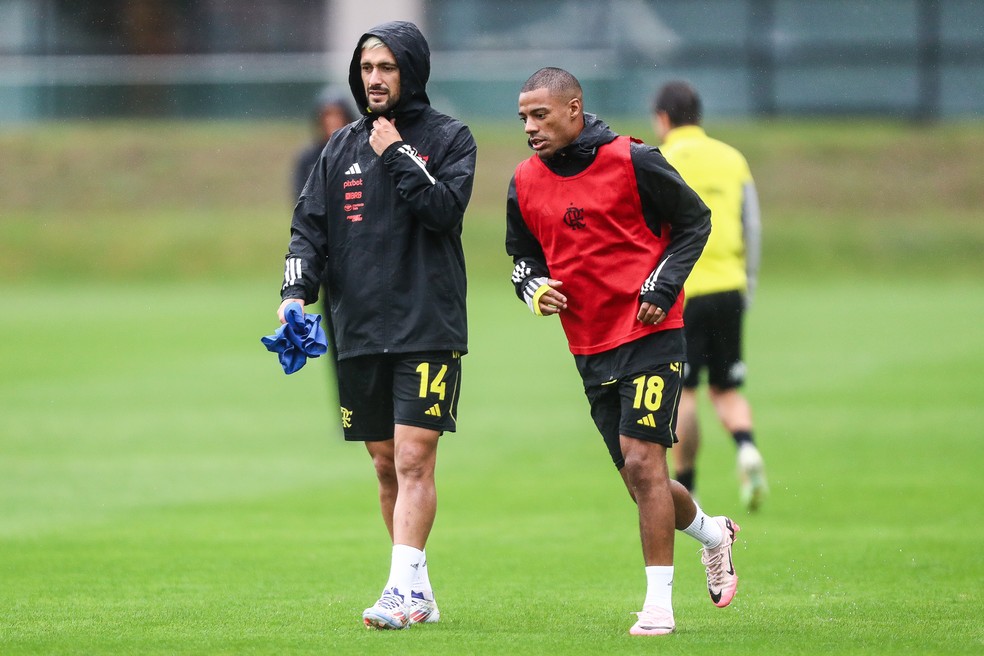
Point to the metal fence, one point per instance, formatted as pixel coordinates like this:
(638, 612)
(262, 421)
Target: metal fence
(221, 58)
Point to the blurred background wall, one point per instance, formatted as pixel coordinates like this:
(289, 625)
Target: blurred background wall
(233, 59)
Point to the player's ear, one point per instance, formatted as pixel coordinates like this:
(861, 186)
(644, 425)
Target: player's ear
(574, 107)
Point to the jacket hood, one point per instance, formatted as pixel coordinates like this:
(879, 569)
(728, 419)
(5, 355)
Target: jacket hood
(412, 54)
(595, 133)
(578, 155)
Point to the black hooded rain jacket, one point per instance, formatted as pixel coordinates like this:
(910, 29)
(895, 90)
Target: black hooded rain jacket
(384, 233)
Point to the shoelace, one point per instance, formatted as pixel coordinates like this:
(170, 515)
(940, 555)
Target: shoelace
(714, 566)
(390, 601)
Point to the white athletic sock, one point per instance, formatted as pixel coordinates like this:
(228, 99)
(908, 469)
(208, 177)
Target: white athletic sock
(403, 568)
(705, 530)
(659, 587)
(422, 582)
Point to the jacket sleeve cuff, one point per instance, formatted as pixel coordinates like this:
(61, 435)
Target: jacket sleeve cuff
(392, 150)
(296, 291)
(662, 300)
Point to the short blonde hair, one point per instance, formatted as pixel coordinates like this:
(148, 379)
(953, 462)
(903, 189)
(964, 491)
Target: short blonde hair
(373, 42)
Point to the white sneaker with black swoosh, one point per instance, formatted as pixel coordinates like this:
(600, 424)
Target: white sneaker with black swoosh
(722, 581)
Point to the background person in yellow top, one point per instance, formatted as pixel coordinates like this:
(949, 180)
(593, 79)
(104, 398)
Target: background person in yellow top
(720, 287)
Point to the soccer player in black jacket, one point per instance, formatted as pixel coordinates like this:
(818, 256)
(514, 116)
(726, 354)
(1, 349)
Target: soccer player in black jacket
(379, 223)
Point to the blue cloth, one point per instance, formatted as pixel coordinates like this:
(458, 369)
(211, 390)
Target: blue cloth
(302, 337)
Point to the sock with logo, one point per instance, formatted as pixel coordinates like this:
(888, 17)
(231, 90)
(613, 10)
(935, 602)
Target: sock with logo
(422, 583)
(659, 586)
(704, 529)
(404, 566)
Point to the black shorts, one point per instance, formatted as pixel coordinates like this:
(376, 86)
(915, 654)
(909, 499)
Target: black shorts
(415, 389)
(642, 405)
(713, 327)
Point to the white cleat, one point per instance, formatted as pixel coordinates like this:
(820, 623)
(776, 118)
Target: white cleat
(390, 612)
(751, 477)
(423, 610)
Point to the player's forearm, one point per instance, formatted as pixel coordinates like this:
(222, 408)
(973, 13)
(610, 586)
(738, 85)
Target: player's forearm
(301, 279)
(438, 200)
(663, 285)
(304, 262)
(530, 264)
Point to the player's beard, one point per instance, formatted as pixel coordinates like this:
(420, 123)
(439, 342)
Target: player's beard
(383, 107)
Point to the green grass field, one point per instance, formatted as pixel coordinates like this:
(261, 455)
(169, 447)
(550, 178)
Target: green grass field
(165, 489)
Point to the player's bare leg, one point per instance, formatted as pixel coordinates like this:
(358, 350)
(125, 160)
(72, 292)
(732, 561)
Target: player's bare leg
(415, 510)
(647, 478)
(411, 501)
(645, 472)
(415, 456)
(688, 434)
(735, 413)
(390, 611)
(732, 408)
(383, 462)
(716, 534)
(684, 506)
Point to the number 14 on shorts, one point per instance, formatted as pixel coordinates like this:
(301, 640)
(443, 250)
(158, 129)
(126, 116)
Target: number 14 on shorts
(434, 385)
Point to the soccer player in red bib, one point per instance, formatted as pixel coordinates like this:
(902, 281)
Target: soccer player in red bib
(603, 233)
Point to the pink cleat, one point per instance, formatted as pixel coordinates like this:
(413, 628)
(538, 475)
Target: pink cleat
(722, 582)
(653, 621)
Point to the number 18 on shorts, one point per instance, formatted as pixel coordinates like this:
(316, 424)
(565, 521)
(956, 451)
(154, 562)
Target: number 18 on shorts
(642, 405)
(649, 403)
